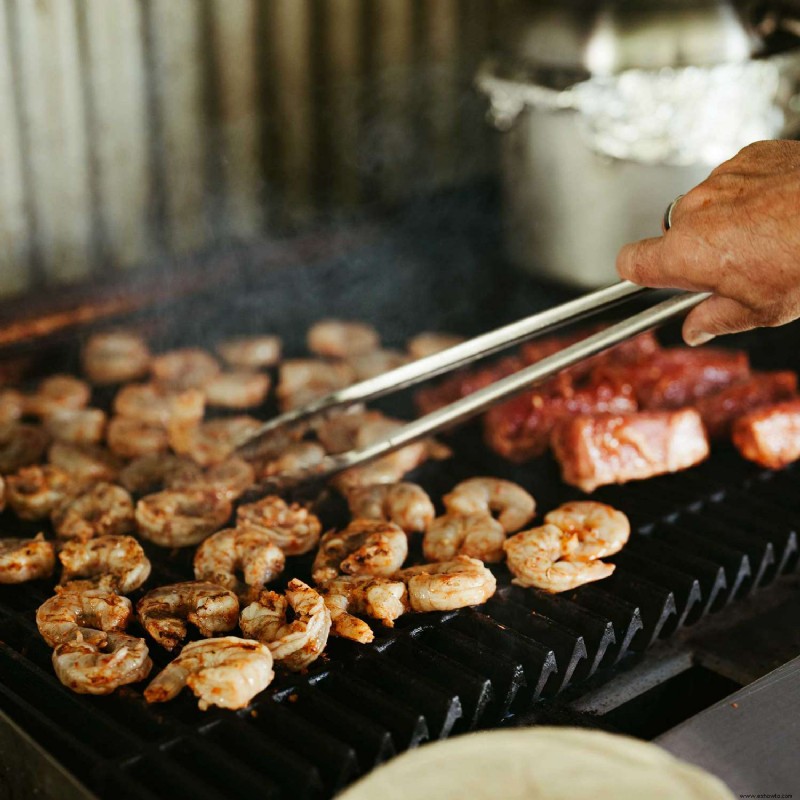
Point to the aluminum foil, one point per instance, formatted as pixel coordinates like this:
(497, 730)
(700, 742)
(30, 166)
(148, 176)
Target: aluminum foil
(682, 116)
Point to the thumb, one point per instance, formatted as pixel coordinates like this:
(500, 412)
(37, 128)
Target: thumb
(714, 317)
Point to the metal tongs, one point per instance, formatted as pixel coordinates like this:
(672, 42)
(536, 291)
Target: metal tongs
(460, 355)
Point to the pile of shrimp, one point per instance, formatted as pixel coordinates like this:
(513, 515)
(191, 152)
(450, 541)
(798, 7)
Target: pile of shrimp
(156, 473)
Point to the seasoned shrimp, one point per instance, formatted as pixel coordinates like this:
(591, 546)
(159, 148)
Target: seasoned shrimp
(121, 557)
(464, 581)
(90, 610)
(26, 559)
(384, 599)
(601, 529)
(302, 380)
(292, 527)
(211, 442)
(175, 518)
(250, 551)
(132, 438)
(296, 457)
(405, 504)
(364, 547)
(428, 343)
(91, 668)
(294, 644)
(20, 446)
(376, 362)
(237, 389)
(165, 611)
(540, 557)
(34, 492)
(12, 406)
(477, 535)
(156, 405)
(77, 425)
(230, 479)
(85, 462)
(514, 504)
(226, 672)
(187, 368)
(58, 392)
(251, 352)
(334, 338)
(115, 357)
(102, 510)
(153, 472)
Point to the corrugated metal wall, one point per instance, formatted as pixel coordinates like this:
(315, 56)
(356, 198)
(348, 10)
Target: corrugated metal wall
(131, 129)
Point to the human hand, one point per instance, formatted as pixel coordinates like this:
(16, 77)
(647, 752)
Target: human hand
(737, 235)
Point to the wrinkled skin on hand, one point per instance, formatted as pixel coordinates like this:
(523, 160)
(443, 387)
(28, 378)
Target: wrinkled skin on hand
(737, 235)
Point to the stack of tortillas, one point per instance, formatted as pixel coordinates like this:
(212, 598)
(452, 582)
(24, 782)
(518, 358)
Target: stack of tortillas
(538, 764)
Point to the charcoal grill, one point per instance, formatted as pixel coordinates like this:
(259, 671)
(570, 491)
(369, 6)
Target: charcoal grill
(622, 654)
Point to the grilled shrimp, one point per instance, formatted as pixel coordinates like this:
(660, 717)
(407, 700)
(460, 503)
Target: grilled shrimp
(85, 462)
(376, 362)
(384, 599)
(211, 442)
(115, 357)
(301, 380)
(77, 425)
(250, 551)
(121, 557)
(26, 559)
(388, 469)
(237, 389)
(294, 644)
(91, 668)
(477, 535)
(334, 338)
(157, 405)
(187, 368)
(428, 343)
(20, 446)
(102, 510)
(601, 529)
(165, 611)
(514, 504)
(57, 392)
(251, 352)
(132, 438)
(230, 479)
(90, 610)
(292, 527)
(153, 472)
(464, 581)
(34, 492)
(226, 672)
(175, 518)
(364, 547)
(296, 457)
(405, 504)
(12, 406)
(540, 557)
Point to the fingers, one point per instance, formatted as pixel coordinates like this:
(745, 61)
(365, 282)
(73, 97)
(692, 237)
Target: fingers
(655, 262)
(716, 316)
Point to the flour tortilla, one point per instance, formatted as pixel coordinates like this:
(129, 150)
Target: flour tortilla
(540, 763)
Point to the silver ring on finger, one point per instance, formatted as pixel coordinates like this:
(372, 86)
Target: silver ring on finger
(666, 222)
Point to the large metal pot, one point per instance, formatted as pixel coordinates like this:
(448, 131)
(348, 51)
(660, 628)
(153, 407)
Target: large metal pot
(603, 121)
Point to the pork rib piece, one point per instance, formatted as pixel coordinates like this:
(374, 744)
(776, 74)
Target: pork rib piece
(520, 428)
(677, 377)
(617, 448)
(770, 436)
(720, 410)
